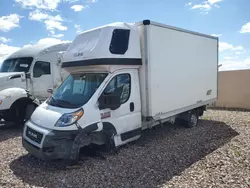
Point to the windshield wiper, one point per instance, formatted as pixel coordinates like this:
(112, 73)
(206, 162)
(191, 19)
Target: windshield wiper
(63, 102)
(52, 101)
(60, 103)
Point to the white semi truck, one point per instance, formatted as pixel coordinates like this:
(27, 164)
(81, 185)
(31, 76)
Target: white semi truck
(25, 77)
(124, 78)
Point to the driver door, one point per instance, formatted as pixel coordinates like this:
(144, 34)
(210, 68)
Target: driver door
(127, 118)
(41, 79)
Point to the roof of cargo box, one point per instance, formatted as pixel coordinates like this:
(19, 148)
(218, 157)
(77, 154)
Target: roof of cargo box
(112, 44)
(34, 50)
(149, 22)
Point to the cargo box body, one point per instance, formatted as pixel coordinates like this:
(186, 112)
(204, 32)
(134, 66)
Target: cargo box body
(179, 70)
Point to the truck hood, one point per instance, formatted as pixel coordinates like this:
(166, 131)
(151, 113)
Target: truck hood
(7, 74)
(47, 116)
(12, 80)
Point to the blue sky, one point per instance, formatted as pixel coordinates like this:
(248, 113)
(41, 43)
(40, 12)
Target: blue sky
(27, 22)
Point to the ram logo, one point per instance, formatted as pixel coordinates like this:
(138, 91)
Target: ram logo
(32, 134)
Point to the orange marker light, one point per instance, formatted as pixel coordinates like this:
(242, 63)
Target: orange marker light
(78, 114)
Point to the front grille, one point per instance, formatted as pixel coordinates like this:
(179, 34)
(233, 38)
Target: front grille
(34, 135)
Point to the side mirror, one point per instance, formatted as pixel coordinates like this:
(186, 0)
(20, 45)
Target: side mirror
(109, 101)
(27, 75)
(50, 91)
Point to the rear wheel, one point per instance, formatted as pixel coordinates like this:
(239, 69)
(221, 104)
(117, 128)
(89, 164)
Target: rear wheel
(192, 119)
(189, 119)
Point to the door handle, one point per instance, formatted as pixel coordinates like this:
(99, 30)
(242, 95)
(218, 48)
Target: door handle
(132, 107)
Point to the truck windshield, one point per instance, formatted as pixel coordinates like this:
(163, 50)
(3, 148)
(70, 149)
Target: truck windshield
(17, 65)
(76, 90)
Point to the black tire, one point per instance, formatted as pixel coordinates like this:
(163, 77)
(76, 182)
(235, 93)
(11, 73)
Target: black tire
(20, 113)
(192, 119)
(30, 108)
(109, 141)
(15, 115)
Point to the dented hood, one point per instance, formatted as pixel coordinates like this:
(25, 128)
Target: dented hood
(7, 74)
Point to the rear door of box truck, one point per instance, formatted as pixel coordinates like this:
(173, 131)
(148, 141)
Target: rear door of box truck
(180, 69)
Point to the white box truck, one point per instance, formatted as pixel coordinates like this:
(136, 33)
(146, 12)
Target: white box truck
(25, 77)
(124, 78)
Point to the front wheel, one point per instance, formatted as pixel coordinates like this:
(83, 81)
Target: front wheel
(109, 143)
(20, 113)
(30, 108)
(15, 115)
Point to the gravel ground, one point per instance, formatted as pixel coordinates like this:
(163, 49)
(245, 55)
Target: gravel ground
(214, 154)
(228, 166)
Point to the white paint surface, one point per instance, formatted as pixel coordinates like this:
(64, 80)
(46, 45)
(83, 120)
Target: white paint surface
(37, 86)
(182, 68)
(94, 44)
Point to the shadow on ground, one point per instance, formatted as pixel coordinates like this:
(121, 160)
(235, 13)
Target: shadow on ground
(9, 130)
(159, 155)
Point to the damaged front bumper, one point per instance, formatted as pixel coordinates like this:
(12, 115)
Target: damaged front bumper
(47, 144)
(3, 113)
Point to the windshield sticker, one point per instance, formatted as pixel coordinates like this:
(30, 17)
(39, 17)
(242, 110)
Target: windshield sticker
(105, 115)
(24, 65)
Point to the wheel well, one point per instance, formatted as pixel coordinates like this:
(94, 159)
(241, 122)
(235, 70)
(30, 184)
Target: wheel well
(104, 137)
(109, 127)
(200, 110)
(98, 138)
(22, 102)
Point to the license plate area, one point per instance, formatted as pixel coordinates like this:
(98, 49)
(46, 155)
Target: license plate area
(34, 135)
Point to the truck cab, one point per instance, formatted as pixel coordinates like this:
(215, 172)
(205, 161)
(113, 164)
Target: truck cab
(25, 77)
(101, 94)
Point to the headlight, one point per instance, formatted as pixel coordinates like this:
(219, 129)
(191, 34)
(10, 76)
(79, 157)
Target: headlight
(1, 99)
(69, 119)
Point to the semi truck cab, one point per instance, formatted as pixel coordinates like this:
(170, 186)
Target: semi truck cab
(25, 77)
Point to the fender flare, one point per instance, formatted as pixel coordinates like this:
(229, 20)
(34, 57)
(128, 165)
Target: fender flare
(110, 131)
(11, 95)
(109, 127)
(104, 136)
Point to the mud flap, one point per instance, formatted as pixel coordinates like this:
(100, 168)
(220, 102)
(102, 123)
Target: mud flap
(36, 101)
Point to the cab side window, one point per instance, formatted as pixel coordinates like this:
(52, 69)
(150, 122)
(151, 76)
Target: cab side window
(120, 85)
(41, 68)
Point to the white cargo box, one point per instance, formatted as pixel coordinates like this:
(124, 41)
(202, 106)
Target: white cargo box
(179, 70)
